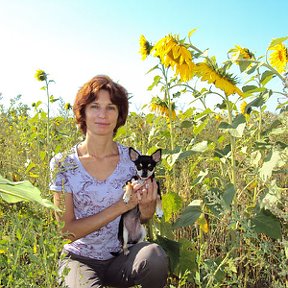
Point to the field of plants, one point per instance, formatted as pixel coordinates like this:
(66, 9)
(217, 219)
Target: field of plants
(223, 174)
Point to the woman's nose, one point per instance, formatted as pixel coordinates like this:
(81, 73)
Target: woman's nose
(101, 112)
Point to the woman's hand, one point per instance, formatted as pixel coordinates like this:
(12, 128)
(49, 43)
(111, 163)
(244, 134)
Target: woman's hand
(147, 195)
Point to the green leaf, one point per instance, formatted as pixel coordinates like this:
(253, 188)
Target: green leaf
(265, 222)
(276, 124)
(272, 197)
(243, 65)
(237, 127)
(173, 156)
(156, 81)
(188, 258)
(13, 192)
(200, 147)
(283, 107)
(188, 113)
(201, 176)
(249, 88)
(190, 214)
(202, 115)
(199, 128)
(171, 203)
(172, 248)
(221, 153)
(213, 200)
(266, 77)
(274, 159)
(152, 69)
(278, 131)
(277, 41)
(186, 124)
(258, 102)
(191, 32)
(52, 99)
(255, 158)
(253, 68)
(228, 195)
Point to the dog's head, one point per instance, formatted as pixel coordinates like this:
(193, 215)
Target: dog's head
(145, 164)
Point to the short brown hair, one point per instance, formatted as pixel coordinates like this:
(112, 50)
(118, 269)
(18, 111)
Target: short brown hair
(88, 93)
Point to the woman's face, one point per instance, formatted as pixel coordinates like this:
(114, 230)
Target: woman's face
(101, 115)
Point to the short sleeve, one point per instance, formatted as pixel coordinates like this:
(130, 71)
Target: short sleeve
(58, 175)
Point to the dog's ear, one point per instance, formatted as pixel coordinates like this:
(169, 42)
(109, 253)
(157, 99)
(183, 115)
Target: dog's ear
(133, 154)
(156, 156)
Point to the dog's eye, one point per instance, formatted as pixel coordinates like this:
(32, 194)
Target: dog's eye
(150, 167)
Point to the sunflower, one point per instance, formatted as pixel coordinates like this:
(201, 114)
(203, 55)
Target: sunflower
(161, 107)
(241, 53)
(174, 54)
(279, 58)
(203, 224)
(40, 75)
(218, 117)
(145, 47)
(219, 77)
(245, 109)
(67, 106)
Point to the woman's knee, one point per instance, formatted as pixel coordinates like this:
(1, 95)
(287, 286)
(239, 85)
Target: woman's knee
(155, 253)
(155, 258)
(154, 266)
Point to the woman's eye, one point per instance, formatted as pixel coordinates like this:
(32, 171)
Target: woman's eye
(112, 108)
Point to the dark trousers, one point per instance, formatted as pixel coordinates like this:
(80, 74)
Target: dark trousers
(146, 265)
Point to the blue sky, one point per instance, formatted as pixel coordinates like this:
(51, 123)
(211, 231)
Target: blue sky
(74, 40)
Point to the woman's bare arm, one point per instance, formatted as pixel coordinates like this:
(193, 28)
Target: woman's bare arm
(74, 228)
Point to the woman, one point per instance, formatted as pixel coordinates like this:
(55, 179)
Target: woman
(87, 184)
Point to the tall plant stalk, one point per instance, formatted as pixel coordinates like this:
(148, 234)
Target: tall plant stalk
(41, 76)
(169, 104)
(232, 142)
(48, 118)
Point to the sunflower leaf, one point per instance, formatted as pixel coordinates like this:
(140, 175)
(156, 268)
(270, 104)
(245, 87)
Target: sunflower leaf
(190, 214)
(266, 77)
(156, 81)
(237, 127)
(14, 192)
(191, 32)
(265, 222)
(277, 41)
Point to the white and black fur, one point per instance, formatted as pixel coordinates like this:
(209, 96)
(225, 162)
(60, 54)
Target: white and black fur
(131, 231)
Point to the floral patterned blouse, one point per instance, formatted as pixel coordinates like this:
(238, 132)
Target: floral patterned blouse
(90, 196)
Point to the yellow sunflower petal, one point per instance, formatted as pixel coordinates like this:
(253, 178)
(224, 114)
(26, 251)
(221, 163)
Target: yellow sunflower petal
(279, 57)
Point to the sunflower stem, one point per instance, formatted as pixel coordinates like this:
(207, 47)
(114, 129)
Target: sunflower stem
(194, 47)
(169, 102)
(48, 119)
(265, 65)
(233, 144)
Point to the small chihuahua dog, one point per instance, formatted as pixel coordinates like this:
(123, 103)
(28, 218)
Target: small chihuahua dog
(131, 231)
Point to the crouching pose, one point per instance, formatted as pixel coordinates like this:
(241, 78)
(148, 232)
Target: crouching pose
(87, 183)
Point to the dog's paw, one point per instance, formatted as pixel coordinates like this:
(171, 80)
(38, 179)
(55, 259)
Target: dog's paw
(159, 213)
(138, 181)
(126, 251)
(128, 192)
(126, 198)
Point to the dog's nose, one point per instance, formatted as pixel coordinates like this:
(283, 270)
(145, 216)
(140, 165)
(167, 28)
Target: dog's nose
(144, 174)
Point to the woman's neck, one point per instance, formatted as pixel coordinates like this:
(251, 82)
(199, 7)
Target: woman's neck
(100, 147)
